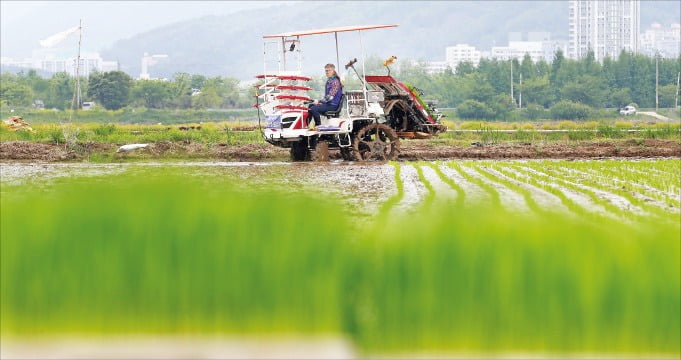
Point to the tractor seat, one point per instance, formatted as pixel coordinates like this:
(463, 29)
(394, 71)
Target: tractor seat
(335, 113)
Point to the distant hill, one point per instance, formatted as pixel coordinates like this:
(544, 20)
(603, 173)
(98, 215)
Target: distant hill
(232, 45)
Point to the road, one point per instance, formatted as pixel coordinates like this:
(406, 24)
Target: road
(655, 115)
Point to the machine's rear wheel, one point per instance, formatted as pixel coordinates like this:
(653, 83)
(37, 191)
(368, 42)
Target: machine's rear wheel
(376, 142)
(299, 151)
(321, 151)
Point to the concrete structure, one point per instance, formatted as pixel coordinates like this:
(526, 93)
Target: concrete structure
(605, 26)
(436, 67)
(538, 45)
(89, 62)
(147, 61)
(660, 40)
(461, 53)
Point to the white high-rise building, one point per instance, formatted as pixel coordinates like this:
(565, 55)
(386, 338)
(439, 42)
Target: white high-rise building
(605, 26)
(461, 53)
(658, 40)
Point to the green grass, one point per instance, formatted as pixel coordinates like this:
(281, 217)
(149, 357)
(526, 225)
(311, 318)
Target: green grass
(161, 252)
(224, 132)
(133, 116)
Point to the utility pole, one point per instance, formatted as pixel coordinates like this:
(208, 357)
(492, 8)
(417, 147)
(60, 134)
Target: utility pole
(676, 101)
(657, 57)
(75, 103)
(512, 81)
(520, 96)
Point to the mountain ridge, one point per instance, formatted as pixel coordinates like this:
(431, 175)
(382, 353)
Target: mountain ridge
(231, 45)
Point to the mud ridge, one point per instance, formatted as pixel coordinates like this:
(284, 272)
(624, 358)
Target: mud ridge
(410, 151)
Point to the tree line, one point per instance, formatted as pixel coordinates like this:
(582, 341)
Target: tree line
(575, 86)
(564, 88)
(116, 89)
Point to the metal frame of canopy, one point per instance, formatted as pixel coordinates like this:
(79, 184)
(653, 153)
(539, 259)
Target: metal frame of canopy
(291, 41)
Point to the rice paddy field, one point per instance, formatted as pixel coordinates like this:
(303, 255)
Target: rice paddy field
(531, 258)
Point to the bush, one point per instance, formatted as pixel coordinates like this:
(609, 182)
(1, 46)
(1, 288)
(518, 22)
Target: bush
(570, 110)
(535, 111)
(472, 109)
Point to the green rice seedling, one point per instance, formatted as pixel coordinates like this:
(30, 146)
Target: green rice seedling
(460, 195)
(543, 167)
(592, 181)
(622, 177)
(429, 187)
(495, 200)
(527, 195)
(158, 252)
(492, 282)
(388, 204)
(520, 174)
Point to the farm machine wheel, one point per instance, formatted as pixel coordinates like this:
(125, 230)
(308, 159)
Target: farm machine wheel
(376, 142)
(299, 151)
(348, 154)
(321, 151)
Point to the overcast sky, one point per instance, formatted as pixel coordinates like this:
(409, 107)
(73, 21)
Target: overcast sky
(25, 23)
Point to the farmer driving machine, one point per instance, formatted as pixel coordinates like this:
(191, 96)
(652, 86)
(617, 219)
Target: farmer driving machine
(367, 125)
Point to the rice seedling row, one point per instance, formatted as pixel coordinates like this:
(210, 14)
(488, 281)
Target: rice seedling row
(622, 178)
(493, 193)
(460, 195)
(614, 186)
(602, 199)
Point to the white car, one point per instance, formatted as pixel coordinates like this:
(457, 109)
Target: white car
(628, 110)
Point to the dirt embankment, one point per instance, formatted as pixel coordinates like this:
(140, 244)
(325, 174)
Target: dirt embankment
(583, 150)
(21, 150)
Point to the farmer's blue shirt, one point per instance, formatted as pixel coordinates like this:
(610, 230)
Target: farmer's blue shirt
(333, 91)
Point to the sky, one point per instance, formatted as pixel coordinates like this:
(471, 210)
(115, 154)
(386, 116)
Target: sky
(24, 23)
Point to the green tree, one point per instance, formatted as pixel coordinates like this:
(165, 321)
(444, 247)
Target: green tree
(535, 111)
(557, 63)
(464, 68)
(527, 68)
(569, 110)
(14, 93)
(197, 81)
(502, 105)
(538, 90)
(111, 89)
(589, 64)
(620, 98)
(61, 91)
(471, 109)
(181, 90)
(542, 68)
(476, 88)
(151, 93)
(667, 96)
(207, 99)
(587, 89)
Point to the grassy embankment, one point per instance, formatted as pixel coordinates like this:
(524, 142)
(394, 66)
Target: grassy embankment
(142, 125)
(161, 253)
(229, 133)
